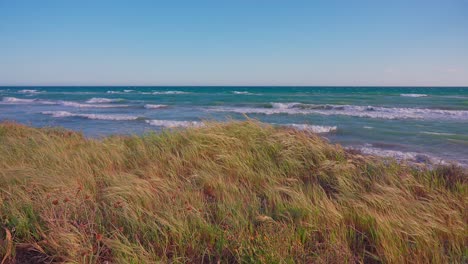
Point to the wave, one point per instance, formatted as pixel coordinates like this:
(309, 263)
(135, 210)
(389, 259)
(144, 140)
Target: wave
(29, 91)
(244, 93)
(80, 105)
(14, 100)
(17, 100)
(313, 128)
(115, 117)
(170, 92)
(412, 157)
(437, 133)
(154, 92)
(173, 123)
(349, 110)
(413, 95)
(155, 106)
(96, 100)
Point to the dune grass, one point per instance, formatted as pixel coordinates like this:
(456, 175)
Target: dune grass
(233, 192)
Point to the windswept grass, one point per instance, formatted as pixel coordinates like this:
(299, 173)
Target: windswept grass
(233, 192)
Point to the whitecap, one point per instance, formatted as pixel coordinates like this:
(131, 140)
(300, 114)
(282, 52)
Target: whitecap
(80, 105)
(96, 100)
(284, 105)
(244, 93)
(412, 157)
(170, 92)
(349, 110)
(155, 106)
(313, 128)
(437, 133)
(14, 100)
(128, 91)
(28, 91)
(115, 117)
(413, 95)
(173, 123)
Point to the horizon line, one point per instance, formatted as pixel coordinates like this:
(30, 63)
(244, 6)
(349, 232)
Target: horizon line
(224, 85)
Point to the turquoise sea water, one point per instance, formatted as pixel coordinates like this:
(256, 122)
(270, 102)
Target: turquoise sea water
(422, 124)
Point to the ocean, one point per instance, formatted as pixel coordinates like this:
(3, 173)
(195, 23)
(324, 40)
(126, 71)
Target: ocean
(422, 124)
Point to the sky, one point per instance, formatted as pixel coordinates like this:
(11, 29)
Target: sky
(241, 42)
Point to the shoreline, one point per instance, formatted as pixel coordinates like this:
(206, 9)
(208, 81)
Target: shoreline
(415, 121)
(406, 156)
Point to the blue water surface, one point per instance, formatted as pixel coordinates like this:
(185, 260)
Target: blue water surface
(403, 122)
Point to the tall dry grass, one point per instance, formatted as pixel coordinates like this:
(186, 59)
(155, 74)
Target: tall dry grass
(232, 192)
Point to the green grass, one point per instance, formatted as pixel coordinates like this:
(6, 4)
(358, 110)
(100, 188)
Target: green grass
(231, 192)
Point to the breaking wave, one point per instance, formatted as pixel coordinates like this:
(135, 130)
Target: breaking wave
(170, 92)
(349, 110)
(313, 128)
(80, 105)
(437, 133)
(14, 100)
(155, 106)
(413, 95)
(29, 91)
(115, 117)
(412, 157)
(244, 93)
(173, 123)
(95, 100)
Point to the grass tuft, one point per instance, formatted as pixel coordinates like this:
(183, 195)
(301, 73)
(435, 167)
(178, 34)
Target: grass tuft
(226, 192)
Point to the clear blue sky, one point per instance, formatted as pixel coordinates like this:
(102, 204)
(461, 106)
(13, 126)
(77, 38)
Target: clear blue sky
(238, 42)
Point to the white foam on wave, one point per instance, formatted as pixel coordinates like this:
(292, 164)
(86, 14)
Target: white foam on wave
(413, 157)
(413, 95)
(96, 100)
(154, 92)
(80, 105)
(170, 92)
(14, 100)
(122, 92)
(284, 105)
(399, 155)
(349, 110)
(314, 128)
(28, 91)
(155, 106)
(437, 133)
(244, 93)
(173, 123)
(115, 117)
